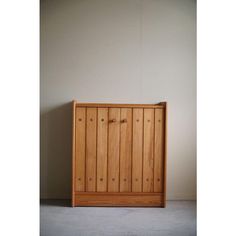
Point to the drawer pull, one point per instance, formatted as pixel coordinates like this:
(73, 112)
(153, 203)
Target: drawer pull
(80, 119)
(91, 119)
(101, 179)
(113, 179)
(113, 120)
(136, 179)
(147, 179)
(102, 119)
(90, 179)
(125, 180)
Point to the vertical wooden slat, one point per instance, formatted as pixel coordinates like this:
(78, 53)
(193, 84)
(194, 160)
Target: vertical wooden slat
(80, 149)
(148, 150)
(137, 152)
(159, 150)
(91, 137)
(125, 149)
(102, 149)
(113, 149)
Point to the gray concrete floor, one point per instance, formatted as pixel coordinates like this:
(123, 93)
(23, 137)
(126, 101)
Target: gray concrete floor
(57, 218)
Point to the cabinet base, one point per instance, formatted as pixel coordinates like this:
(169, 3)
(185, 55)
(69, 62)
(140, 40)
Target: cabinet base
(118, 199)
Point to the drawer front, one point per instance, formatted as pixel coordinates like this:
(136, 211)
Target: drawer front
(119, 199)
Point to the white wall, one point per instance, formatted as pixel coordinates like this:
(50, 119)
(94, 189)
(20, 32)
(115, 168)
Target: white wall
(121, 51)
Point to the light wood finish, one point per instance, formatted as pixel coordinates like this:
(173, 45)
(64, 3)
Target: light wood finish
(102, 133)
(165, 152)
(113, 149)
(159, 150)
(148, 144)
(137, 150)
(91, 139)
(119, 154)
(73, 151)
(119, 199)
(80, 149)
(165, 109)
(125, 149)
(120, 105)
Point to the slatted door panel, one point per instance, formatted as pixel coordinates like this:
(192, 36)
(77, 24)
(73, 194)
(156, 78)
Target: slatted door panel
(80, 119)
(102, 135)
(137, 150)
(91, 137)
(148, 146)
(113, 149)
(125, 149)
(159, 150)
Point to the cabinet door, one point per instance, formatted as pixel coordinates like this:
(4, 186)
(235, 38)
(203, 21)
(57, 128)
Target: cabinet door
(80, 149)
(137, 152)
(91, 137)
(113, 149)
(148, 146)
(159, 150)
(125, 149)
(102, 149)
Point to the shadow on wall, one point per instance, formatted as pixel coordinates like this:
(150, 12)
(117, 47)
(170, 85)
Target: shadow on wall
(55, 152)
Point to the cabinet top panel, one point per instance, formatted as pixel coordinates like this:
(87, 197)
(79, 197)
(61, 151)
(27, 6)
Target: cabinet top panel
(159, 105)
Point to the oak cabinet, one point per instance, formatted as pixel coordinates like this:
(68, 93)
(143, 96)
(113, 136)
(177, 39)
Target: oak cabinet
(119, 154)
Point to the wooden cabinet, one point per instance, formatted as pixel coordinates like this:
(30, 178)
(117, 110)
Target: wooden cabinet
(119, 154)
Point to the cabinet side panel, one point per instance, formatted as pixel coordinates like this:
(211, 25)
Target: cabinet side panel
(159, 150)
(102, 123)
(113, 149)
(80, 119)
(91, 140)
(125, 149)
(137, 150)
(148, 146)
(165, 150)
(73, 153)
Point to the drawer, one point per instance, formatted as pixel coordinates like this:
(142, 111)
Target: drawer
(119, 199)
